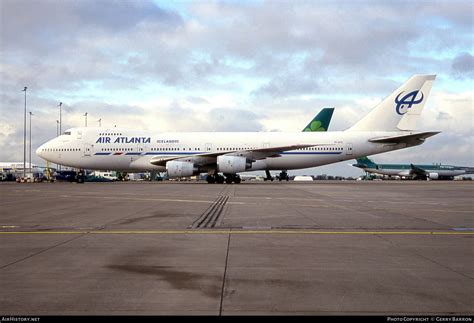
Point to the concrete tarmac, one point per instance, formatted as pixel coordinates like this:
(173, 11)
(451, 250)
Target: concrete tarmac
(254, 248)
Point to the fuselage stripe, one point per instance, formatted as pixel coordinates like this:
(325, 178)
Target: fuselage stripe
(312, 153)
(173, 153)
(194, 153)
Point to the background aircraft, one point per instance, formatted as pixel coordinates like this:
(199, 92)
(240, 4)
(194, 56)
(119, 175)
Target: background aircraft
(435, 171)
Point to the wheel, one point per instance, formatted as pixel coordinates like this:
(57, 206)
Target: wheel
(283, 175)
(228, 179)
(237, 180)
(219, 179)
(210, 179)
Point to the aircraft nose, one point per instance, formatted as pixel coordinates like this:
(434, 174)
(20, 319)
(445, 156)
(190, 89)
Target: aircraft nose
(40, 151)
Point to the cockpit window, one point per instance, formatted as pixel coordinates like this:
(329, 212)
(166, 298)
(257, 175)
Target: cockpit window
(67, 133)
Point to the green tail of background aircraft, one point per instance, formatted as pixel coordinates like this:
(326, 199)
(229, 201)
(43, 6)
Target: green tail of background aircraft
(435, 171)
(321, 121)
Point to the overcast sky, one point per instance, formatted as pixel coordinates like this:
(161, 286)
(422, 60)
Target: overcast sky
(234, 66)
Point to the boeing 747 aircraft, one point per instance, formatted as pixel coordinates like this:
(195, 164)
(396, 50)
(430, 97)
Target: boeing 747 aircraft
(390, 125)
(435, 171)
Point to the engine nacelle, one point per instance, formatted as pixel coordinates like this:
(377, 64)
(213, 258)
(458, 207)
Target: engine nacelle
(232, 164)
(178, 168)
(433, 175)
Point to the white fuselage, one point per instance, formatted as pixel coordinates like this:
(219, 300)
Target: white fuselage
(131, 150)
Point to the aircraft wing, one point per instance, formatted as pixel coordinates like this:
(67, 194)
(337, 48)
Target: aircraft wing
(408, 138)
(417, 170)
(209, 158)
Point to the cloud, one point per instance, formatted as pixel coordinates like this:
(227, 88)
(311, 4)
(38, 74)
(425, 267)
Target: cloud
(463, 66)
(46, 26)
(121, 43)
(233, 120)
(457, 13)
(179, 116)
(288, 85)
(196, 100)
(450, 112)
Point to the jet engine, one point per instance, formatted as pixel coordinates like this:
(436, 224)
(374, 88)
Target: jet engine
(232, 164)
(178, 168)
(433, 175)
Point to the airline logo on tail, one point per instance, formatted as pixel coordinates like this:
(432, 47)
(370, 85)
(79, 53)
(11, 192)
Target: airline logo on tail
(321, 121)
(407, 101)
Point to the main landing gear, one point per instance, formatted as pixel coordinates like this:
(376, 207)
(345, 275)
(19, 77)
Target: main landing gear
(219, 179)
(232, 178)
(211, 179)
(283, 176)
(269, 176)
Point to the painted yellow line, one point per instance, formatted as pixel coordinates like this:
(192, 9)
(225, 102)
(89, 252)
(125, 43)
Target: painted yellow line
(203, 232)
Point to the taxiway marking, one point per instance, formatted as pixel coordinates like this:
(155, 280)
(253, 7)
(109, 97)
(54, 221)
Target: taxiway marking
(207, 232)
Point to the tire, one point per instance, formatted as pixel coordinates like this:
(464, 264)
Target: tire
(210, 179)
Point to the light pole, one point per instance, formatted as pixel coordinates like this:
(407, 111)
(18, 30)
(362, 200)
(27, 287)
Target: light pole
(31, 113)
(100, 122)
(24, 137)
(85, 115)
(57, 134)
(60, 118)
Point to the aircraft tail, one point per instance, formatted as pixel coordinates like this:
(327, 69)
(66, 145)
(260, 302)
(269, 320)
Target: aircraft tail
(365, 162)
(321, 121)
(401, 109)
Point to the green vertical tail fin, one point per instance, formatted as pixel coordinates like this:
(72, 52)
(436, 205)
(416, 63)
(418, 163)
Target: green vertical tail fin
(321, 121)
(365, 162)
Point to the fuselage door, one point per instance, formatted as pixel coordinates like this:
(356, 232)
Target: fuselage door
(139, 152)
(140, 149)
(208, 147)
(348, 149)
(87, 150)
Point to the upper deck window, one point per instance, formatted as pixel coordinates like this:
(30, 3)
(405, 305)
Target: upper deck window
(67, 133)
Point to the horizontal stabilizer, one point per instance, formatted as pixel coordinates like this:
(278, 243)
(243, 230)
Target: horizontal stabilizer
(408, 138)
